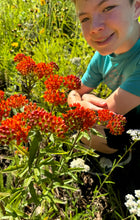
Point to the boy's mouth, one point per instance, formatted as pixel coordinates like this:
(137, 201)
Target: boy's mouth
(105, 40)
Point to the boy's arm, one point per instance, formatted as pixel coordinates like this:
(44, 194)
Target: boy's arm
(92, 102)
(121, 101)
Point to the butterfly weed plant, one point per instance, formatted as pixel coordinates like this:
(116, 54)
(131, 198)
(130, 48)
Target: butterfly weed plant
(40, 139)
(41, 49)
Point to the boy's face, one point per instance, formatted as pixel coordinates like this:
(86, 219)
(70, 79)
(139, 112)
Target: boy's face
(109, 26)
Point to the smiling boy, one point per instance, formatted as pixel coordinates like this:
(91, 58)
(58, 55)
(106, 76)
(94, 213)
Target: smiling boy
(111, 27)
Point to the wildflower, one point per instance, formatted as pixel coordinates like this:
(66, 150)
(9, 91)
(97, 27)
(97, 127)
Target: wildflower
(115, 122)
(43, 69)
(14, 44)
(4, 109)
(42, 2)
(135, 134)
(79, 163)
(72, 82)
(42, 31)
(26, 66)
(133, 203)
(46, 122)
(55, 97)
(137, 193)
(105, 115)
(16, 101)
(79, 118)
(53, 93)
(14, 129)
(1, 95)
(55, 84)
(19, 57)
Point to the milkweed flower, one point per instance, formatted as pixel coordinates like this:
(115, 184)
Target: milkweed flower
(72, 82)
(115, 122)
(79, 163)
(17, 101)
(1, 95)
(133, 203)
(46, 122)
(58, 86)
(14, 129)
(79, 118)
(19, 57)
(26, 66)
(4, 109)
(43, 69)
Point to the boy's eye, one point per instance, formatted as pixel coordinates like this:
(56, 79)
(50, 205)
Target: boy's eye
(109, 8)
(84, 20)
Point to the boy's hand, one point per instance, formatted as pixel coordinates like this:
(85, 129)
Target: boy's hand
(95, 102)
(85, 99)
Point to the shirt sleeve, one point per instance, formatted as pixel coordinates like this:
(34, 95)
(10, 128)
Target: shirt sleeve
(132, 84)
(92, 77)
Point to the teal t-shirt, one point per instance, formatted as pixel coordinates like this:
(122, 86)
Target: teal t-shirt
(116, 71)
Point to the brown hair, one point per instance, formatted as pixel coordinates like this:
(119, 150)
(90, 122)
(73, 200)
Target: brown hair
(131, 1)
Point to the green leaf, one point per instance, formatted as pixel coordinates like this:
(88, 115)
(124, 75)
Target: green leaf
(13, 168)
(33, 194)
(1, 182)
(95, 132)
(34, 147)
(27, 181)
(15, 196)
(57, 184)
(4, 195)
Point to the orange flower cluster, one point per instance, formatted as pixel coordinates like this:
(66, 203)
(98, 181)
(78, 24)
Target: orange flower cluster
(46, 122)
(79, 118)
(55, 84)
(15, 101)
(4, 109)
(17, 128)
(14, 129)
(72, 82)
(19, 57)
(115, 122)
(26, 65)
(1, 95)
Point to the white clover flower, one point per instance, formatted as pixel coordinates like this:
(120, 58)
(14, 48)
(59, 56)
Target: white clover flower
(129, 197)
(135, 134)
(133, 203)
(79, 163)
(138, 212)
(137, 193)
(133, 211)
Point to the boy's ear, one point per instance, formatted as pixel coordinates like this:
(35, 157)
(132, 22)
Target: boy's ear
(137, 9)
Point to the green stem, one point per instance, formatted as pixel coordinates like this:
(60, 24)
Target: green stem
(116, 165)
(75, 140)
(70, 152)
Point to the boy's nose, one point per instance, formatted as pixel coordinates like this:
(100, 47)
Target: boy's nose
(97, 24)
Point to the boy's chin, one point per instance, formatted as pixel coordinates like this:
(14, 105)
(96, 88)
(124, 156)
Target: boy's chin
(105, 53)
